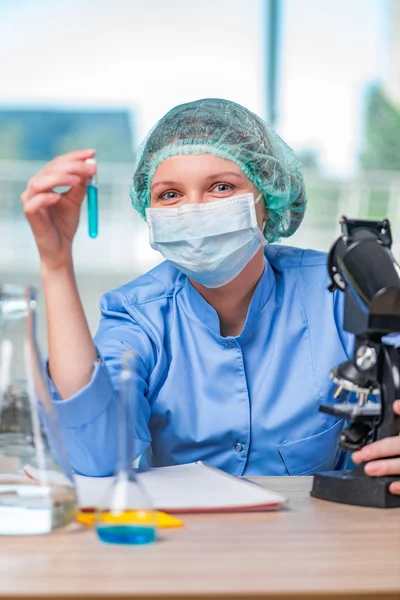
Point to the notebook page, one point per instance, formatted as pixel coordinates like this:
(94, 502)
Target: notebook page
(181, 488)
(197, 487)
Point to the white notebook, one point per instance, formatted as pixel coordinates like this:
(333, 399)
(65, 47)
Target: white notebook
(194, 487)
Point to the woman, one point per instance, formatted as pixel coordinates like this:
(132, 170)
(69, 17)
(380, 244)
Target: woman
(235, 338)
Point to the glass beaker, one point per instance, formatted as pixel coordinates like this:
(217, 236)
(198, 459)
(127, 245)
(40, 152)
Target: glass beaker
(29, 433)
(125, 514)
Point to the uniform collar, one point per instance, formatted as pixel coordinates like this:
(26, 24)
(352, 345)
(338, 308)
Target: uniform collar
(201, 310)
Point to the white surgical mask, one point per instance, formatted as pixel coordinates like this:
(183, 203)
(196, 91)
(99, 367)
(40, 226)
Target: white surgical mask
(212, 242)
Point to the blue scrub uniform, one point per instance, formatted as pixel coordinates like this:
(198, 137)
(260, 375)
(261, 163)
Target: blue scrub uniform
(246, 404)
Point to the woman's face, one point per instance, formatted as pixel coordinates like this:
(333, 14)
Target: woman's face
(198, 178)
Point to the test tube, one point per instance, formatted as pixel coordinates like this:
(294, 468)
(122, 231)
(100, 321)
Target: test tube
(125, 514)
(91, 192)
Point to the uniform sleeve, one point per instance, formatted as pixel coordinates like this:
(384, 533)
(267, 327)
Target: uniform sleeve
(89, 418)
(346, 338)
(393, 339)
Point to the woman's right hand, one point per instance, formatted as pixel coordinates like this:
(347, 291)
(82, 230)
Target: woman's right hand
(54, 217)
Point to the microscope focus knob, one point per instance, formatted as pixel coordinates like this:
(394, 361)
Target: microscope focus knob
(366, 358)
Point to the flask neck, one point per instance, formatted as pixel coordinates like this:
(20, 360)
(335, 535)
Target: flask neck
(17, 323)
(17, 303)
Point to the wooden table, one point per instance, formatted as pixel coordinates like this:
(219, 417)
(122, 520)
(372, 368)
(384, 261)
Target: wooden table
(311, 549)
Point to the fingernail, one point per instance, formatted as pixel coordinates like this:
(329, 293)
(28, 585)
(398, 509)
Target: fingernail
(356, 457)
(394, 488)
(396, 405)
(371, 469)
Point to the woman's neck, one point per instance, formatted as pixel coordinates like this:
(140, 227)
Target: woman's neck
(231, 301)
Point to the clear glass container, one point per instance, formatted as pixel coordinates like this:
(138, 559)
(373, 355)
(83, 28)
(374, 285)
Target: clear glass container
(30, 439)
(125, 514)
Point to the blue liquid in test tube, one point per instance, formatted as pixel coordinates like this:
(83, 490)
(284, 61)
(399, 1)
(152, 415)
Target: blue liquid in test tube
(92, 203)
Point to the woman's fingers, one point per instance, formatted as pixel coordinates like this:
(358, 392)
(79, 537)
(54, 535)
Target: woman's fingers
(394, 488)
(75, 155)
(45, 182)
(54, 217)
(33, 206)
(389, 446)
(387, 449)
(66, 170)
(381, 468)
(71, 167)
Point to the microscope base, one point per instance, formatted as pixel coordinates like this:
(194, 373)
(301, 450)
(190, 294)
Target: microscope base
(353, 487)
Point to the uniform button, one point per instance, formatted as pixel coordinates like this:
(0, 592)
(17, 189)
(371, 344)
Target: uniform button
(230, 344)
(238, 447)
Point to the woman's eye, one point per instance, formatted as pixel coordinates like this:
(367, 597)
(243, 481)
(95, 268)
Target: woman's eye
(169, 196)
(223, 187)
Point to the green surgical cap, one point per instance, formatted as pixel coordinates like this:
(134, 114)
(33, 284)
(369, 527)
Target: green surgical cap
(228, 130)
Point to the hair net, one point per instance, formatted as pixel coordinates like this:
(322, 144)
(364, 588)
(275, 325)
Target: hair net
(230, 131)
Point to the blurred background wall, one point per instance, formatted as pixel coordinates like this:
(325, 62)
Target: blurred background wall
(94, 73)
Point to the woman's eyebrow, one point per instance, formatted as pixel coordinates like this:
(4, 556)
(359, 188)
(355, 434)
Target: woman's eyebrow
(224, 174)
(208, 177)
(163, 183)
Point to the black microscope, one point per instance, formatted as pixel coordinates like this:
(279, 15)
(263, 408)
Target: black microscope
(361, 265)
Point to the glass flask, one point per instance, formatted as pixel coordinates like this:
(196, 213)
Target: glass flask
(125, 514)
(30, 440)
